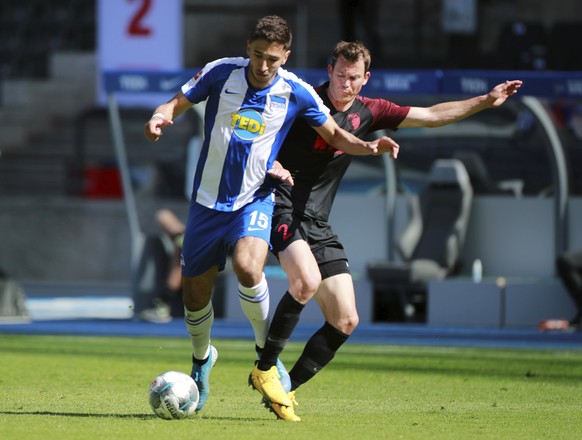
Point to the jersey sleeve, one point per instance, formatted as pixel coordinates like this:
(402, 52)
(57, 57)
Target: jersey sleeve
(316, 112)
(385, 114)
(198, 88)
(310, 105)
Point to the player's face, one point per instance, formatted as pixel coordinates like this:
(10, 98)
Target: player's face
(346, 80)
(265, 60)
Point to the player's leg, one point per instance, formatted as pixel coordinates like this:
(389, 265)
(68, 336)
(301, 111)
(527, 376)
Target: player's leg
(251, 236)
(254, 302)
(301, 268)
(336, 298)
(199, 317)
(199, 313)
(253, 291)
(303, 274)
(203, 256)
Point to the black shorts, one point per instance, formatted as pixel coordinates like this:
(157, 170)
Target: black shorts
(329, 253)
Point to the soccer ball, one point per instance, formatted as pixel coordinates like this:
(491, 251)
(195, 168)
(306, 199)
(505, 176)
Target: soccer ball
(173, 395)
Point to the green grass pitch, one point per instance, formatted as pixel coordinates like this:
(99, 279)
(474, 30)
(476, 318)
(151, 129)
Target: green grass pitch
(76, 387)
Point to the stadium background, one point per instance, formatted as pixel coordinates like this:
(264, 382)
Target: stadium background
(63, 227)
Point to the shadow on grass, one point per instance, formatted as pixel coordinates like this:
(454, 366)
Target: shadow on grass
(71, 414)
(123, 416)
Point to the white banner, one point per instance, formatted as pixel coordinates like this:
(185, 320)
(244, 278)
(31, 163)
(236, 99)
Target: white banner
(139, 35)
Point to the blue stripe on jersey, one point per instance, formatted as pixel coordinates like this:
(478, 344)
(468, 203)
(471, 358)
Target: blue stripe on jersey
(231, 181)
(248, 128)
(212, 77)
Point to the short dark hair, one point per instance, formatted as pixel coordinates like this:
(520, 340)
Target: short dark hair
(352, 51)
(273, 29)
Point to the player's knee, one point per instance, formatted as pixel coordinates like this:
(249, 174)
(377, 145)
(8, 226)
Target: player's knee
(347, 324)
(351, 324)
(194, 302)
(306, 285)
(195, 293)
(248, 273)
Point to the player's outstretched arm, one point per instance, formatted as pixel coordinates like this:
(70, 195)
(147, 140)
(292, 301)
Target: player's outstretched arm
(348, 143)
(499, 94)
(164, 114)
(452, 111)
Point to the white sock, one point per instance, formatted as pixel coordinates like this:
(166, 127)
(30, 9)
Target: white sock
(255, 305)
(199, 324)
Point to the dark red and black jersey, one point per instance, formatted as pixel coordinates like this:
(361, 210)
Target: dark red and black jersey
(317, 168)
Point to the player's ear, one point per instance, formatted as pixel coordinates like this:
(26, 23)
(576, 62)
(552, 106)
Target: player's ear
(329, 70)
(286, 56)
(366, 77)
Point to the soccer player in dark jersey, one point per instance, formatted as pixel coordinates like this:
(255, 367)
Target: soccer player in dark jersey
(251, 104)
(302, 238)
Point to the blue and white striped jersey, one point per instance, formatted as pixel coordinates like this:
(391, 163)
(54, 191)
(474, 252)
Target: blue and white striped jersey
(244, 129)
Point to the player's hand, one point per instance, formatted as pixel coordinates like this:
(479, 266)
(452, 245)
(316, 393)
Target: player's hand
(278, 172)
(503, 91)
(153, 128)
(386, 144)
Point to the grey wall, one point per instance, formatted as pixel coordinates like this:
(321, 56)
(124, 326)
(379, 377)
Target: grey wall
(76, 240)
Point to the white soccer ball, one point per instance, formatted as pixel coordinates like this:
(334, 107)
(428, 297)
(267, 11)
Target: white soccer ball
(173, 395)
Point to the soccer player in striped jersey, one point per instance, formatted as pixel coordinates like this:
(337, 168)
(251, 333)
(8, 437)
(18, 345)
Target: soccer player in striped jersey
(251, 104)
(308, 250)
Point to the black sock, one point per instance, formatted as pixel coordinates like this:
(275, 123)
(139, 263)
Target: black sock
(318, 352)
(283, 323)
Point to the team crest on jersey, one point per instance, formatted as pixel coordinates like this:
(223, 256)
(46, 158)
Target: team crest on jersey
(277, 102)
(354, 119)
(248, 124)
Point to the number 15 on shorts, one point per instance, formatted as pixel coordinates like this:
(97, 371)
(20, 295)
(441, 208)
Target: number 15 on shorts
(259, 221)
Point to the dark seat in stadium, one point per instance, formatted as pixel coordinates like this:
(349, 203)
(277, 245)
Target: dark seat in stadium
(481, 181)
(430, 245)
(563, 49)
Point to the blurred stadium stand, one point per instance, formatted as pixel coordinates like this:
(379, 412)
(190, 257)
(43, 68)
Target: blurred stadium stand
(56, 153)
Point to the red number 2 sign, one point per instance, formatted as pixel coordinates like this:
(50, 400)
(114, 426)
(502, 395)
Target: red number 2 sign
(136, 27)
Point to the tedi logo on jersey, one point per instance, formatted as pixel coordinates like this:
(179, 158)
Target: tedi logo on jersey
(248, 124)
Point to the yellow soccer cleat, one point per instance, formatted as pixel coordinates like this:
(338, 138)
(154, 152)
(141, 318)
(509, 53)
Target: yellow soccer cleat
(268, 383)
(286, 413)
